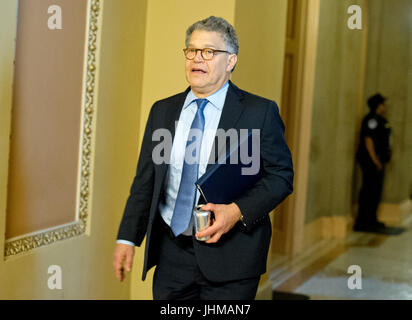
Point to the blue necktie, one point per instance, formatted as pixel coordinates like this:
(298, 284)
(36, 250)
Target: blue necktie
(186, 195)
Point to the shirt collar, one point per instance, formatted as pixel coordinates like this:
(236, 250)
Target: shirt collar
(216, 99)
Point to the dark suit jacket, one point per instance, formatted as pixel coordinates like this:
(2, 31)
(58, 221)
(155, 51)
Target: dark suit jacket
(242, 252)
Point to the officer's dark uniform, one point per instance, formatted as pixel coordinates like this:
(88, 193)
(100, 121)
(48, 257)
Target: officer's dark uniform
(377, 128)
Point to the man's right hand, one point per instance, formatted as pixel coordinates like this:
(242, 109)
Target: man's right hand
(370, 146)
(379, 165)
(122, 260)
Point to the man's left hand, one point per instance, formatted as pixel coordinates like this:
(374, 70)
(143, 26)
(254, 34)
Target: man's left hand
(226, 216)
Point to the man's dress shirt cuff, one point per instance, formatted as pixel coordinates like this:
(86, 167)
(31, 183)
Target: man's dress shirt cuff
(126, 242)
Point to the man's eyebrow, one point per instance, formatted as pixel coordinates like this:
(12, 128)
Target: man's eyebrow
(211, 46)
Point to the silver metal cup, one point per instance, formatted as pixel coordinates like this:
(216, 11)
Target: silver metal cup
(202, 220)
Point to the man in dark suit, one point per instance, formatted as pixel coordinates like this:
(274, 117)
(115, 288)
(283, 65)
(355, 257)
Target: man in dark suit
(162, 196)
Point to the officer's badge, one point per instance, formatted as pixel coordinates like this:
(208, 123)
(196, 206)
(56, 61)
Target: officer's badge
(372, 124)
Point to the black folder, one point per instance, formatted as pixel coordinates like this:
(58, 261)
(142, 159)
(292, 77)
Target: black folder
(224, 182)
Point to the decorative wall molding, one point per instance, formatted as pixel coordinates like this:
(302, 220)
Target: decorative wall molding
(28, 242)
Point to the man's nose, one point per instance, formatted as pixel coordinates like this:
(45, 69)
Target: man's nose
(198, 56)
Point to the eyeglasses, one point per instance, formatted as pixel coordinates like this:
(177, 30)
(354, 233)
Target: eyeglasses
(207, 53)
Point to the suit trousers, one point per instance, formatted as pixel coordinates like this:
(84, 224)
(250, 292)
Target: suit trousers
(369, 195)
(178, 277)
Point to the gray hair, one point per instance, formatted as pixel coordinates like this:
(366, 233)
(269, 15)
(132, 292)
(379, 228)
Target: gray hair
(219, 25)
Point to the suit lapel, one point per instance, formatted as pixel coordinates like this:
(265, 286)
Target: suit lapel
(170, 117)
(173, 113)
(232, 109)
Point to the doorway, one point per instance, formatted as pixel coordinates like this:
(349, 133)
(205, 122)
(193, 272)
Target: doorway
(296, 112)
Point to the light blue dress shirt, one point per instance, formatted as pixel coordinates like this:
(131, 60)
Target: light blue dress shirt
(212, 113)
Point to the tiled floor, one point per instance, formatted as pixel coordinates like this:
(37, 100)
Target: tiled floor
(385, 263)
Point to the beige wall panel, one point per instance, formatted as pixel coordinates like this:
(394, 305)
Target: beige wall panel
(47, 104)
(8, 24)
(362, 66)
(86, 261)
(118, 134)
(389, 71)
(338, 90)
(261, 28)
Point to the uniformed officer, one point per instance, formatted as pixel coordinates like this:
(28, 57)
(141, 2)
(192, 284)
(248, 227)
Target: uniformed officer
(373, 153)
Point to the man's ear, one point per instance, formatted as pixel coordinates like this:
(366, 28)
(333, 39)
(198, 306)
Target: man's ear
(232, 62)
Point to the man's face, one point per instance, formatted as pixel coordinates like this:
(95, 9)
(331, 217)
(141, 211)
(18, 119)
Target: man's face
(381, 109)
(207, 76)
